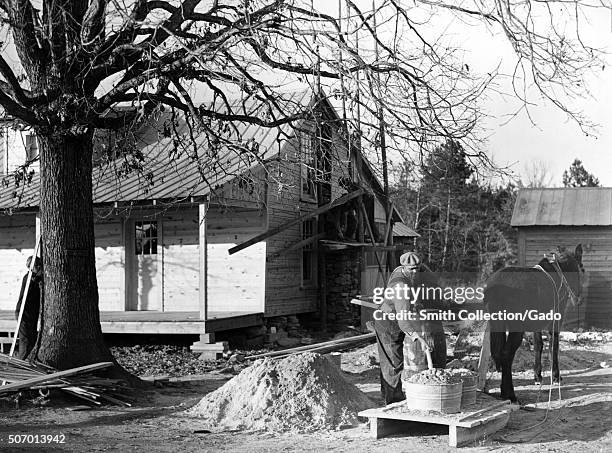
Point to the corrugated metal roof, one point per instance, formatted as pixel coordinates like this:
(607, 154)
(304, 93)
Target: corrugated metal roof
(590, 206)
(168, 174)
(402, 230)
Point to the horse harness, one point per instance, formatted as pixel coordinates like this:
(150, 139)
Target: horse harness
(562, 279)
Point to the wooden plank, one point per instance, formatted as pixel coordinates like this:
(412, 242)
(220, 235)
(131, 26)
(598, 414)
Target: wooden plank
(236, 322)
(369, 228)
(459, 436)
(364, 303)
(203, 264)
(483, 361)
(382, 427)
(484, 410)
(315, 346)
(53, 376)
(278, 229)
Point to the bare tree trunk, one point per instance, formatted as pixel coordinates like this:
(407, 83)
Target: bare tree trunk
(70, 333)
(446, 228)
(429, 241)
(418, 212)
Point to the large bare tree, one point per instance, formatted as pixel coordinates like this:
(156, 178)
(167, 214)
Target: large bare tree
(88, 65)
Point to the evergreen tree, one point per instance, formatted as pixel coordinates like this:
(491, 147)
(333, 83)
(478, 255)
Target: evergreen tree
(578, 176)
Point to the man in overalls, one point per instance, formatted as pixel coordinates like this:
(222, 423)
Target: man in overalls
(394, 337)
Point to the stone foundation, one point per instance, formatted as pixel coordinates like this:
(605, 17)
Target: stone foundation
(343, 280)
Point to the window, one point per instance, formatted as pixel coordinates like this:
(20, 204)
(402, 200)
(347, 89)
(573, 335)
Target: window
(31, 147)
(325, 152)
(308, 166)
(309, 262)
(146, 238)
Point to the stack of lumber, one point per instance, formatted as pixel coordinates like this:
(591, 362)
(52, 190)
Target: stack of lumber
(21, 375)
(321, 348)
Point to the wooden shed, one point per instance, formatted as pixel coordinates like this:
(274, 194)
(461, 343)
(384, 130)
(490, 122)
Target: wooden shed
(547, 218)
(197, 249)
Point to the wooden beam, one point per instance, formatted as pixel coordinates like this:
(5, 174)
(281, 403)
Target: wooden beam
(53, 376)
(323, 287)
(331, 343)
(382, 248)
(203, 244)
(389, 235)
(365, 303)
(388, 227)
(483, 361)
(260, 237)
(369, 228)
(297, 245)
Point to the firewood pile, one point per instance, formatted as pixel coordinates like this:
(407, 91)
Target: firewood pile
(19, 375)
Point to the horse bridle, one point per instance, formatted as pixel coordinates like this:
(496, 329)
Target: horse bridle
(563, 280)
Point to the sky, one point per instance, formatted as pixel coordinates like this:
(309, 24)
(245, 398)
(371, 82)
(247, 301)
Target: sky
(546, 136)
(554, 139)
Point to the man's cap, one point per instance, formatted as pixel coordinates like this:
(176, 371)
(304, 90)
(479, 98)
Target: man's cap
(410, 259)
(37, 262)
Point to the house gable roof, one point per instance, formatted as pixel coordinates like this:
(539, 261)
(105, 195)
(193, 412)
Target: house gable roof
(171, 172)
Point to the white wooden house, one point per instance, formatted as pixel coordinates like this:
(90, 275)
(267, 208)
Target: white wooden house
(163, 235)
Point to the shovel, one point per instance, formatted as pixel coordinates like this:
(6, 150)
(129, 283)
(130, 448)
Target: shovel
(429, 360)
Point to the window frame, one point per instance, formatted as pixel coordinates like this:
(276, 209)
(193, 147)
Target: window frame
(310, 250)
(308, 166)
(30, 147)
(150, 240)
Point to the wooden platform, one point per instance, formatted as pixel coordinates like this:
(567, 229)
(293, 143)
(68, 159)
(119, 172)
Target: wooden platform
(152, 322)
(484, 418)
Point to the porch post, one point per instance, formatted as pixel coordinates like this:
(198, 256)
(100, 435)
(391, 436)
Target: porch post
(37, 226)
(203, 293)
(207, 347)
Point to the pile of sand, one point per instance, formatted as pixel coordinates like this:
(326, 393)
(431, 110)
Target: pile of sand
(301, 393)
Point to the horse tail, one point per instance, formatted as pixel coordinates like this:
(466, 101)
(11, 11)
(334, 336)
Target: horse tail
(498, 341)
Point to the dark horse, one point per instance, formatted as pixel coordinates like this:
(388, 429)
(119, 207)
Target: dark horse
(532, 293)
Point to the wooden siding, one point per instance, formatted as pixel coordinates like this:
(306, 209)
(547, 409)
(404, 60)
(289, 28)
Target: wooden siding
(110, 263)
(235, 282)
(596, 307)
(17, 237)
(285, 294)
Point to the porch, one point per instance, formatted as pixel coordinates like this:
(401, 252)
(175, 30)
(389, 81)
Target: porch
(151, 322)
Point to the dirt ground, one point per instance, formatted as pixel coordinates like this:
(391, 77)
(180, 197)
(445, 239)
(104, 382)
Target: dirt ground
(579, 422)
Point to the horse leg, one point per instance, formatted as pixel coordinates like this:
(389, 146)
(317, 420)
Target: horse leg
(554, 346)
(513, 342)
(538, 345)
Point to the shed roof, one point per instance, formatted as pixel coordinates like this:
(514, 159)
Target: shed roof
(588, 206)
(402, 230)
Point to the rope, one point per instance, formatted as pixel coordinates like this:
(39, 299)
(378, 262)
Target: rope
(556, 306)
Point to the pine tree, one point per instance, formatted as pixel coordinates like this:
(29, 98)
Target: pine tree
(578, 176)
